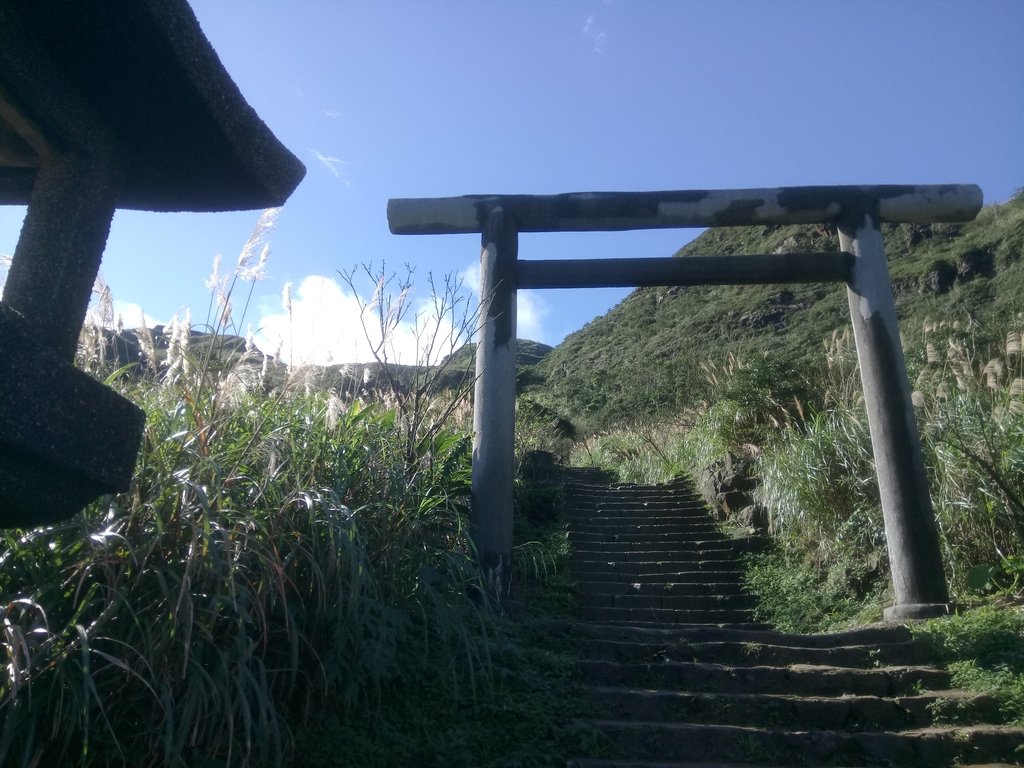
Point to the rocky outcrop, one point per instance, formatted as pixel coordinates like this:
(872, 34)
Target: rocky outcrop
(728, 486)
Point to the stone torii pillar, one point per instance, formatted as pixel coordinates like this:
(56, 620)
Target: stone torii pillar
(490, 521)
(118, 104)
(857, 211)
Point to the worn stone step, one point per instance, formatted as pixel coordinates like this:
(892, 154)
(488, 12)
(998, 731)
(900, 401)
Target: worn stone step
(850, 713)
(629, 488)
(654, 526)
(683, 574)
(644, 554)
(624, 543)
(670, 615)
(603, 762)
(600, 762)
(702, 622)
(675, 564)
(626, 540)
(750, 653)
(869, 635)
(684, 509)
(675, 602)
(698, 583)
(617, 542)
(653, 552)
(805, 679)
(919, 747)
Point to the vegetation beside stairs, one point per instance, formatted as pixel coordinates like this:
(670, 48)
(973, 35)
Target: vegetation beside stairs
(680, 674)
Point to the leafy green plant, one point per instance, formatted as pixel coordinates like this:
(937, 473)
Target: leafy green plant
(794, 595)
(984, 649)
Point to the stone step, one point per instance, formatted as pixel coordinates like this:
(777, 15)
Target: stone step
(674, 602)
(802, 679)
(655, 550)
(636, 508)
(643, 554)
(673, 625)
(603, 762)
(699, 583)
(590, 535)
(633, 507)
(583, 538)
(653, 526)
(611, 487)
(665, 565)
(919, 747)
(871, 635)
(669, 615)
(683, 574)
(753, 653)
(640, 524)
(850, 713)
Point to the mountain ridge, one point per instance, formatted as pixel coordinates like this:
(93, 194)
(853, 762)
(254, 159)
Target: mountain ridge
(642, 359)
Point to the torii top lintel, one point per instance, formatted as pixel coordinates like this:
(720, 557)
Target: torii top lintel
(613, 211)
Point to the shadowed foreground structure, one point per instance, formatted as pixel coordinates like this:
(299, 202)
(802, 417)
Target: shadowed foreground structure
(119, 104)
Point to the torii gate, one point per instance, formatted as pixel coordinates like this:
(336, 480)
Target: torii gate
(857, 211)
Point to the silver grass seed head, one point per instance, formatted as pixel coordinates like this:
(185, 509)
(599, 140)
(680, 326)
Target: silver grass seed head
(286, 297)
(213, 282)
(1013, 343)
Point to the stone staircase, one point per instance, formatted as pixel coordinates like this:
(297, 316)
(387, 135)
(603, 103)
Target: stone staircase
(682, 676)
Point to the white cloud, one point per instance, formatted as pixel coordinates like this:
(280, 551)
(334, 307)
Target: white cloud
(133, 315)
(334, 164)
(531, 308)
(325, 326)
(5, 265)
(334, 114)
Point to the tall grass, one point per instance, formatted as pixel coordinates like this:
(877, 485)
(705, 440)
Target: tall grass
(274, 552)
(640, 453)
(271, 554)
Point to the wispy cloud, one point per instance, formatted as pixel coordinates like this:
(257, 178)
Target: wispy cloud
(334, 114)
(593, 33)
(334, 164)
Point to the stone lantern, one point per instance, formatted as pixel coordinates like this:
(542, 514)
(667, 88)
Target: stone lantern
(103, 105)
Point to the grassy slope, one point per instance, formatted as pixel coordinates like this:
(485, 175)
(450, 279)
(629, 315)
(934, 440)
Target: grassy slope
(642, 358)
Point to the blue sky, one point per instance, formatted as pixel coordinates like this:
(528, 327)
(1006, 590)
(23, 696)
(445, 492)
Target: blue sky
(417, 99)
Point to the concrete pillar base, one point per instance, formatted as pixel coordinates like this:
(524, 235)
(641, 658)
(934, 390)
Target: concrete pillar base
(917, 611)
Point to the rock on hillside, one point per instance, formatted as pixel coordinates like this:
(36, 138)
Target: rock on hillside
(126, 348)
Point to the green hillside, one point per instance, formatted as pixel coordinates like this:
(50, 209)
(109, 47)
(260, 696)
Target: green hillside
(643, 359)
